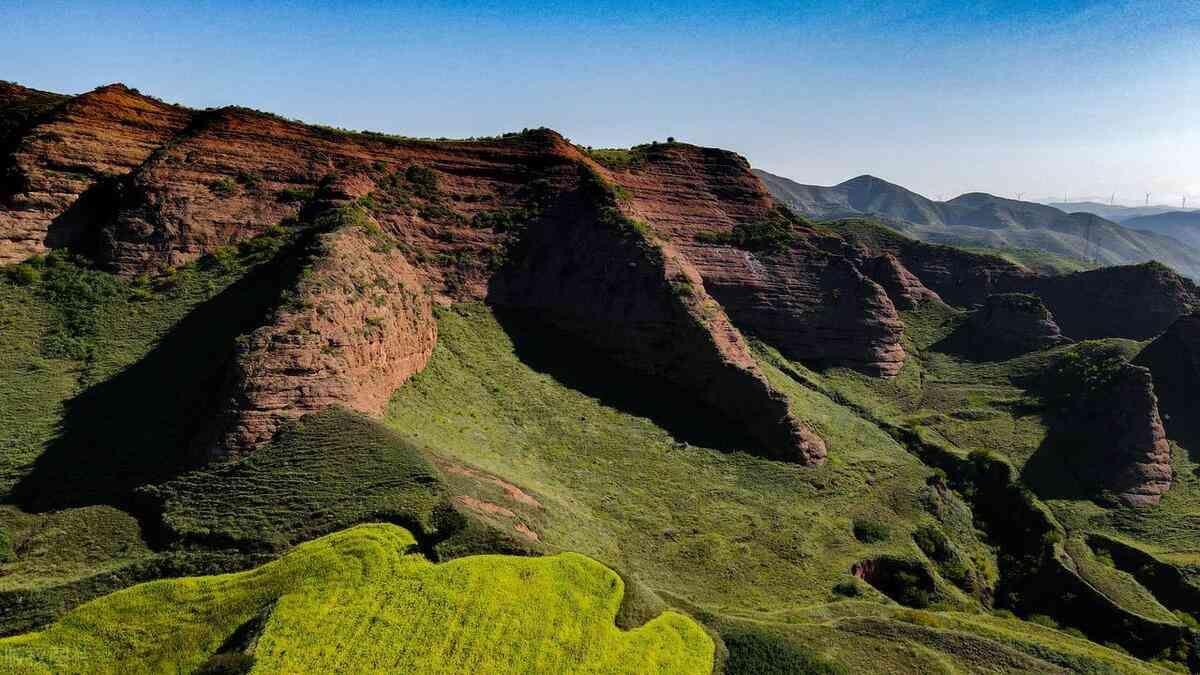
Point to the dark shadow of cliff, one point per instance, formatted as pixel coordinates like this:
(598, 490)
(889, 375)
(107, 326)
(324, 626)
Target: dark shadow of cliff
(577, 365)
(1054, 469)
(78, 227)
(137, 426)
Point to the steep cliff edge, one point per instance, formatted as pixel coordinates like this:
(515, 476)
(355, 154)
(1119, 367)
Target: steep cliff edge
(959, 277)
(55, 164)
(1136, 460)
(21, 107)
(903, 287)
(777, 276)
(358, 324)
(1105, 427)
(605, 278)
(1132, 301)
(1174, 360)
(1009, 324)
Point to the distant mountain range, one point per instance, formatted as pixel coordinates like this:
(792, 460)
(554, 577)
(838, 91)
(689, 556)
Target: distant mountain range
(1181, 225)
(980, 220)
(1115, 212)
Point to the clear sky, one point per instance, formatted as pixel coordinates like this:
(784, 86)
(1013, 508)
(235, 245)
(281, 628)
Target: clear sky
(1045, 98)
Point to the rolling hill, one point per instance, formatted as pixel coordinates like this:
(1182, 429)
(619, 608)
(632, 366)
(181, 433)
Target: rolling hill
(1115, 212)
(1181, 225)
(983, 220)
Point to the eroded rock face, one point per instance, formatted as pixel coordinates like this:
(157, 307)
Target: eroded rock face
(92, 138)
(1009, 324)
(807, 297)
(1136, 459)
(903, 287)
(1174, 360)
(359, 325)
(638, 299)
(958, 277)
(1132, 301)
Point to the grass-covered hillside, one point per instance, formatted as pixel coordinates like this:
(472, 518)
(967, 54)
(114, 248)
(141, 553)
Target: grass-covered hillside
(760, 551)
(925, 544)
(361, 601)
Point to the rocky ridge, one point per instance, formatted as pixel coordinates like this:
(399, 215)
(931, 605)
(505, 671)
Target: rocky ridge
(1135, 460)
(155, 186)
(804, 291)
(358, 325)
(1009, 324)
(1174, 360)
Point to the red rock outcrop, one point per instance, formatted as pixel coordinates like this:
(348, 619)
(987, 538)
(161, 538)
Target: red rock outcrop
(357, 326)
(1135, 459)
(903, 287)
(238, 172)
(808, 298)
(1131, 301)
(959, 277)
(107, 132)
(20, 107)
(1174, 360)
(1009, 324)
(145, 185)
(597, 275)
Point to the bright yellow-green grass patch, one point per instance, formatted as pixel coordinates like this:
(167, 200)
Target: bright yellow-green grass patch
(360, 601)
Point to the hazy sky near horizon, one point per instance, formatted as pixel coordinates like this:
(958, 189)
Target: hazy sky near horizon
(1046, 98)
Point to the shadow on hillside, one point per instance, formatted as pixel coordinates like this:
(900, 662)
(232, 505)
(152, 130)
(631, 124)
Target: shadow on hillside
(1058, 468)
(575, 364)
(137, 427)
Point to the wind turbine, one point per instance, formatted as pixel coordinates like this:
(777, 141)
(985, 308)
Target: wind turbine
(1147, 199)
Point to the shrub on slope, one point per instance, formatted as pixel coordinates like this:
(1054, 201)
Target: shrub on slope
(357, 601)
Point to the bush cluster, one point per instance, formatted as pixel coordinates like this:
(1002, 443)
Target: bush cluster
(773, 235)
(870, 531)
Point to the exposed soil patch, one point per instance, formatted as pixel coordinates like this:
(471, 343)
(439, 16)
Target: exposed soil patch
(484, 507)
(515, 493)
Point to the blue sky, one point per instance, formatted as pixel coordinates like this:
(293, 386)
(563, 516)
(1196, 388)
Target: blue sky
(1045, 98)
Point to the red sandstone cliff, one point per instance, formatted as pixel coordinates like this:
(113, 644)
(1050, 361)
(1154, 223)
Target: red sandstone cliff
(604, 278)
(1131, 301)
(1174, 360)
(902, 286)
(143, 185)
(809, 298)
(1010, 324)
(358, 324)
(1134, 455)
(107, 132)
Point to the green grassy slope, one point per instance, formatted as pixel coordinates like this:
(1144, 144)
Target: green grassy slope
(374, 607)
(718, 527)
(323, 473)
(738, 541)
(101, 373)
(101, 380)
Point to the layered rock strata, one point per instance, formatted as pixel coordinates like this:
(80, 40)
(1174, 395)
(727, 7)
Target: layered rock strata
(358, 325)
(1009, 324)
